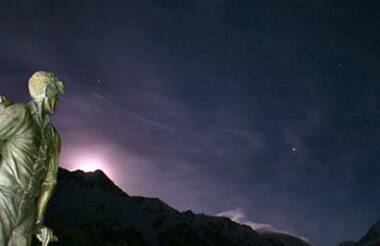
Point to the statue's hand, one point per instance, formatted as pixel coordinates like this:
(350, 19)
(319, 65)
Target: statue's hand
(44, 234)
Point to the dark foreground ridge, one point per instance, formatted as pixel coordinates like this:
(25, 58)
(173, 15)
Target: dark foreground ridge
(89, 209)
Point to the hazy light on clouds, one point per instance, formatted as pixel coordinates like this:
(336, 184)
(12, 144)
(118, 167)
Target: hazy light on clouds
(240, 217)
(237, 215)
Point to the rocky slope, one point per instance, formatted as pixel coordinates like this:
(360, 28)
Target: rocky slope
(89, 209)
(372, 238)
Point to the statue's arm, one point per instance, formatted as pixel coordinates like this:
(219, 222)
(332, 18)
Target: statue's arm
(49, 183)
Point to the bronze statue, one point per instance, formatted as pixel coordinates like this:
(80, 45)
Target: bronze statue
(29, 153)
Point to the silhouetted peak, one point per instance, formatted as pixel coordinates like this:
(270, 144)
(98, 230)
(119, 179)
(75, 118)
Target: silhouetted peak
(372, 236)
(96, 178)
(375, 228)
(188, 213)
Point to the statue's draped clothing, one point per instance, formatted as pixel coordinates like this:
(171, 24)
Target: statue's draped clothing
(29, 150)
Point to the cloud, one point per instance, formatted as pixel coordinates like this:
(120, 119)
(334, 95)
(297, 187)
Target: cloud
(238, 215)
(153, 123)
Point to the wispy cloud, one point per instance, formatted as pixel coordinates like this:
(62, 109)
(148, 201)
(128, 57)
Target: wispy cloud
(151, 122)
(238, 215)
(102, 98)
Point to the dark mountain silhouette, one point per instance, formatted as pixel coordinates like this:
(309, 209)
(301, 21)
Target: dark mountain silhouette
(89, 209)
(371, 238)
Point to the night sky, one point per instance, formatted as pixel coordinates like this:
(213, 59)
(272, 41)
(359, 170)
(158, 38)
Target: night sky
(268, 111)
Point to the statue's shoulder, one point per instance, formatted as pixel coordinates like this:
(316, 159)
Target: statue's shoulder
(4, 102)
(12, 117)
(17, 109)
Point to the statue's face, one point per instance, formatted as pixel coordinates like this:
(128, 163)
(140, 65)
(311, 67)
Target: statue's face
(51, 98)
(50, 103)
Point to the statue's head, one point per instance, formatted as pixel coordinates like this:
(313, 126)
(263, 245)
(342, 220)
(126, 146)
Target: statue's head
(45, 89)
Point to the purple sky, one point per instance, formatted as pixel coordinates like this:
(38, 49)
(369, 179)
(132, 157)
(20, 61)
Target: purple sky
(269, 109)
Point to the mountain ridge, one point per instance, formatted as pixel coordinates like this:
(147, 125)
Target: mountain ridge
(89, 208)
(372, 237)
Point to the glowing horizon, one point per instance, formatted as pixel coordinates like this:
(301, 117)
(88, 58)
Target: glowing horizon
(90, 162)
